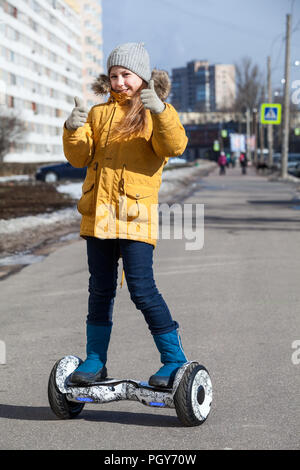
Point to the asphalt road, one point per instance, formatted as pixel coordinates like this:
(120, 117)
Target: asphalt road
(237, 301)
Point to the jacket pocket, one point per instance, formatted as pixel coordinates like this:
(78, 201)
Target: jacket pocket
(138, 201)
(86, 203)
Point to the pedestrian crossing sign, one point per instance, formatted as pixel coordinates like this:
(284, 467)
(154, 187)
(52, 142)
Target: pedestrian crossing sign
(270, 113)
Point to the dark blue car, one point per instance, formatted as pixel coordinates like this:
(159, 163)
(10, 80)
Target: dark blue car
(59, 171)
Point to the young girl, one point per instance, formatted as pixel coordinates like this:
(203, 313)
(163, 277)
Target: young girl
(125, 144)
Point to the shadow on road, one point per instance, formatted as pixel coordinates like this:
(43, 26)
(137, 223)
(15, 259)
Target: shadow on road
(283, 221)
(291, 203)
(251, 223)
(43, 413)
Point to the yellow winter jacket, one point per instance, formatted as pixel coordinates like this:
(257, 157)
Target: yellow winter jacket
(120, 191)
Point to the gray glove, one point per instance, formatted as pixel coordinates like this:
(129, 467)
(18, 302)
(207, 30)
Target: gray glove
(78, 115)
(150, 99)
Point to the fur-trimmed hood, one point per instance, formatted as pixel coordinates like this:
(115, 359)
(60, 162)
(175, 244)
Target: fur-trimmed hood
(162, 84)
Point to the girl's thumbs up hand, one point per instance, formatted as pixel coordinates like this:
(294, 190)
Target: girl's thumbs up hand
(78, 115)
(150, 99)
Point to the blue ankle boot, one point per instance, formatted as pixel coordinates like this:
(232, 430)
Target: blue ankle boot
(172, 356)
(93, 368)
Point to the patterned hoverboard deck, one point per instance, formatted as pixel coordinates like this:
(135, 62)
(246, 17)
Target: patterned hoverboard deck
(115, 390)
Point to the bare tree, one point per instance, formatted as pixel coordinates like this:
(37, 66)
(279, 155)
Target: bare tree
(12, 131)
(249, 84)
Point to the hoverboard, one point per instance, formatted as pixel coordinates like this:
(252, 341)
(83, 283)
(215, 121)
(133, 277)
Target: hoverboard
(190, 395)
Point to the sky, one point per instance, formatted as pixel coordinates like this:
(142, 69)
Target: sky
(220, 31)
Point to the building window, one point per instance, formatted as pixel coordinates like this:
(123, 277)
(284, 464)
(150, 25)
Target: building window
(10, 101)
(12, 79)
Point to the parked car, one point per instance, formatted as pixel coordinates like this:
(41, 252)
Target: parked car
(59, 171)
(176, 161)
(276, 160)
(293, 160)
(294, 170)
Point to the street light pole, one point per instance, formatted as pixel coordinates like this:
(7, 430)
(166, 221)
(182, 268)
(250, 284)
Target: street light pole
(286, 110)
(270, 127)
(254, 114)
(262, 142)
(248, 153)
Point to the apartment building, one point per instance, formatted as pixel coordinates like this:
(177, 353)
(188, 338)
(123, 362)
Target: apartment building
(202, 87)
(45, 61)
(92, 46)
(224, 86)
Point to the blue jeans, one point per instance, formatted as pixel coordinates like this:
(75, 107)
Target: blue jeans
(103, 256)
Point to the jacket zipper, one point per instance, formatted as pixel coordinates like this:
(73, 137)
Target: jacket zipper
(96, 164)
(111, 120)
(122, 180)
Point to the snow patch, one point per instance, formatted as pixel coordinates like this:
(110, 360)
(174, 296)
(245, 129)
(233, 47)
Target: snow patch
(19, 224)
(74, 190)
(4, 179)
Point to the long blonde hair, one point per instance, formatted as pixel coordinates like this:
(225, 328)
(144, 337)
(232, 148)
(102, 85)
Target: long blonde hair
(135, 120)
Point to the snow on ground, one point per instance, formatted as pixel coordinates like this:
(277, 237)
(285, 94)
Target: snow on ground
(5, 179)
(73, 189)
(26, 157)
(172, 178)
(18, 224)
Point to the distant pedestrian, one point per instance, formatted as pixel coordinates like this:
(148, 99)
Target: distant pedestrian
(243, 163)
(228, 160)
(125, 144)
(222, 162)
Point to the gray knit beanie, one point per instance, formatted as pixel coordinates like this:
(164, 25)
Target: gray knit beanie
(133, 56)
